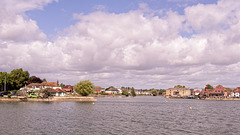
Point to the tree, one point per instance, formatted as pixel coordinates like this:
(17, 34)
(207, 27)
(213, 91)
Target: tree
(154, 92)
(44, 80)
(125, 92)
(34, 79)
(111, 87)
(2, 80)
(161, 91)
(46, 92)
(179, 86)
(84, 88)
(133, 92)
(9, 81)
(62, 85)
(19, 78)
(208, 86)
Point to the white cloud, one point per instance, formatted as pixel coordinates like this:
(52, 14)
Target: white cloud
(14, 25)
(136, 48)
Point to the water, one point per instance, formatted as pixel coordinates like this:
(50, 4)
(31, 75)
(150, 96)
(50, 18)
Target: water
(139, 115)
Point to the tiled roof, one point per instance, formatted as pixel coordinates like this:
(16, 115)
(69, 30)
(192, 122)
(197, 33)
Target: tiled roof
(67, 89)
(53, 84)
(34, 84)
(57, 90)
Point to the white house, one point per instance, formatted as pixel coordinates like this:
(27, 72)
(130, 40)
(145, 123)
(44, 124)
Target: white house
(113, 91)
(236, 92)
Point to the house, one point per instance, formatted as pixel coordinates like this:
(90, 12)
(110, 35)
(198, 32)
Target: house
(113, 91)
(197, 92)
(57, 92)
(68, 88)
(33, 86)
(218, 91)
(43, 85)
(147, 92)
(99, 90)
(178, 92)
(53, 85)
(228, 93)
(236, 93)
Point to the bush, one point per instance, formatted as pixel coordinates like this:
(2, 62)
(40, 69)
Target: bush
(125, 93)
(84, 88)
(154, 92)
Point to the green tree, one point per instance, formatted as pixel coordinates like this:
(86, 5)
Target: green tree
(179, 86)
(62, 85)
(44, 80)
(2, 80)
(161, 91)
(9, 81)
(19, 78)
(208, 86)
(154, 92)
(133, 92)
(111, 87)
(34, 79)
(125, 92)
(84, 88)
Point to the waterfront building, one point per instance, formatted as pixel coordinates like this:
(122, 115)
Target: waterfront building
(113, 91)
(219, 91)
(178, 92)
(43, 85)
(236, 93)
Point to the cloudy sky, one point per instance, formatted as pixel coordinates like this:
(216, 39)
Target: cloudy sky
(139, 43)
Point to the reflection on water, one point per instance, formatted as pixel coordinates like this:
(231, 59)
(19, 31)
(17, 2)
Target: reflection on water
(139, 115)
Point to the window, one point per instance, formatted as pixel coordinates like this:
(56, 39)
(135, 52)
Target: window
(218, 90)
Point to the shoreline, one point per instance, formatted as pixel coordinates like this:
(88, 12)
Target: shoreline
(51, 99)
(216, 98)
(223, 99)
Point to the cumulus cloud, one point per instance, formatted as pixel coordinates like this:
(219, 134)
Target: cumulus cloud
(137, 48)
(14, 25)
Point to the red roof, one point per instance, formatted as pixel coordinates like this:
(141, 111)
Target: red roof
(57, 90)
(67, 89)
(53, 84)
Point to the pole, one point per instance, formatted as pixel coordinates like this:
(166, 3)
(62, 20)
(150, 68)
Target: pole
(5, 84)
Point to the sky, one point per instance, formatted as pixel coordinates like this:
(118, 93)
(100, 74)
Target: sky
(138, 43)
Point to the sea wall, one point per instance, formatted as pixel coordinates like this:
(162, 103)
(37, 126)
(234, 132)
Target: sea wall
(51, 99)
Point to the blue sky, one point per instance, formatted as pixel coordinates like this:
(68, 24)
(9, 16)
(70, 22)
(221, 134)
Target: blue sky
(56, 16)
(137, 43)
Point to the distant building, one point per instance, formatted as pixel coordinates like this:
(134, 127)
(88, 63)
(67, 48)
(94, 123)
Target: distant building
(57, 92)
(99, 90)
(197, 92)
(113, 91)
(180, 92)
(43, 85)
(68, 88)
(236, 93)
(219, 91)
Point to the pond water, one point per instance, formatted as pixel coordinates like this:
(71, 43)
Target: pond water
(113, 115)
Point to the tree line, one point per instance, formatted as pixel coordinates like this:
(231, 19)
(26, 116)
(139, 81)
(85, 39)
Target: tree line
(16, 79)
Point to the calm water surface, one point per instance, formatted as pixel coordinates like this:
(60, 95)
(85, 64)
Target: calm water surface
(139, 115)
